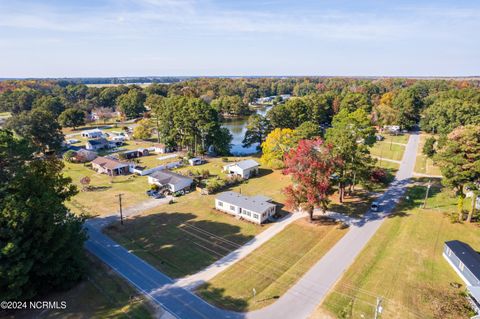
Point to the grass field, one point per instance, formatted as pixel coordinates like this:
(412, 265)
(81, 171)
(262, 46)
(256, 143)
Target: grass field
(103, 295)
(272, 268)
(403, 264)
(401, 138)
(102, 200)
(388, 150)
(179, 239)
(423, 164)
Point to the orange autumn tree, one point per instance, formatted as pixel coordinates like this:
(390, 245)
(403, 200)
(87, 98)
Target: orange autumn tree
(311, 166)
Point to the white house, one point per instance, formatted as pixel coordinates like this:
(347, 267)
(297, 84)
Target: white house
(256, 209)
(95, 133)
(172, 181)
(99, 144)
(245, 169)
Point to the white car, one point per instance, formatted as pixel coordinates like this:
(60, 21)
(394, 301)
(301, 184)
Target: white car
(375, 207)
(72, 141)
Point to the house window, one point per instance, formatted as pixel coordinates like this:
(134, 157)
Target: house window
(220, 203)
(255, 216)
(246, 212)
(232, 207)
(461, 266)
(449, 251)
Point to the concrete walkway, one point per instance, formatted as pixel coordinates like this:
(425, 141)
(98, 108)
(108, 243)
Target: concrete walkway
(195, 280)
(298, 302)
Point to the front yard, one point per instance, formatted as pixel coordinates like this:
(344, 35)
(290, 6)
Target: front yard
(181, 238)
(272, 268)
(423, 164)
(403, 264)
(101, 200)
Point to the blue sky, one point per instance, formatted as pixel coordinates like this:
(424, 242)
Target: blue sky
(252, 37)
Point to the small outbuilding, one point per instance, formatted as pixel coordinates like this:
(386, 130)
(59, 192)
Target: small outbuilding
(256, 209)
(169, 180)
(196, 161)
(244, 169)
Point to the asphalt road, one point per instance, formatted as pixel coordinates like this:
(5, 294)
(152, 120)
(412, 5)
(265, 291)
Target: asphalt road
(298, 302)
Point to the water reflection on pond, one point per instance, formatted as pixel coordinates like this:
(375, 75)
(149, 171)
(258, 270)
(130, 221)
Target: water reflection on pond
(237, 128)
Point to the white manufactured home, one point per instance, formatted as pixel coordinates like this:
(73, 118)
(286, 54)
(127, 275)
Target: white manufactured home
(245, 169)
(256, 209)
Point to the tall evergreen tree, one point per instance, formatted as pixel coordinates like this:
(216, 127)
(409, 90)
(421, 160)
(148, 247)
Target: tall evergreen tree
(41, 242)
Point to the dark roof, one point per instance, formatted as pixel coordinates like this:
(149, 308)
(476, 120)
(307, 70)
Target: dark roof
(167, 177)
(100, 141)
(469, 257)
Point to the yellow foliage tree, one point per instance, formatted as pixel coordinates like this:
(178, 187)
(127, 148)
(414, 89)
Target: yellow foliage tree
(276, 145)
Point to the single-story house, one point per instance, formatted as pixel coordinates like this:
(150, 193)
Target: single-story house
(135, 153)
(99, 144)
(256, 208)
(112, 166)
(245, 169)
(196, 161)
(466, 263)
(172, 181)
(394, 129)
(95, 133)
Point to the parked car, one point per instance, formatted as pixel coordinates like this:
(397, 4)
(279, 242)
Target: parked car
(375, 207)
(150, 192)
(73, 141)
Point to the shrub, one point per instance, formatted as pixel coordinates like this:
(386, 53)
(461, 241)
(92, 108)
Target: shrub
(69, 156)
(379, 175)
(429, 147)
(225, 159)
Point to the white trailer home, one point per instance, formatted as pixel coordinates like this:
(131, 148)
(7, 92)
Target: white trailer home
(256, 209)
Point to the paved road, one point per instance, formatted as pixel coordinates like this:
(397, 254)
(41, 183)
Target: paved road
(195, 280)
(298, 302)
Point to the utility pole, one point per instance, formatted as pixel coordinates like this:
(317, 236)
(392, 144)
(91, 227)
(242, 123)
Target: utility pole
(426, 193)
(378, 307)
(120, 204)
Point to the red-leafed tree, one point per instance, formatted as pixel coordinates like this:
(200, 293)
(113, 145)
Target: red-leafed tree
(310, 165)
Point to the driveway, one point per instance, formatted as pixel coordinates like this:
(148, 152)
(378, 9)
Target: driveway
(298, 302)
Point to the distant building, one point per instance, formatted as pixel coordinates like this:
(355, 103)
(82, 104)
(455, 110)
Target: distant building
(111, 166)
(256, 209)
(466, 263)
(99, 144)
(196, 161)
(135, 153)
(160, 148)
(95, 133)
(245, 169)
(169, 180)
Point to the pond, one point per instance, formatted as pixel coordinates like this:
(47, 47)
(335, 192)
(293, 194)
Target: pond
(237, 128)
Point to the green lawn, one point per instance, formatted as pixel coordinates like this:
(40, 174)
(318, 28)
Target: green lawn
(102, 200)
(177, 238)
(423, 164)
(385, 149)
(272, 268)
(102, 295)
(401, 138)
(403, 263)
